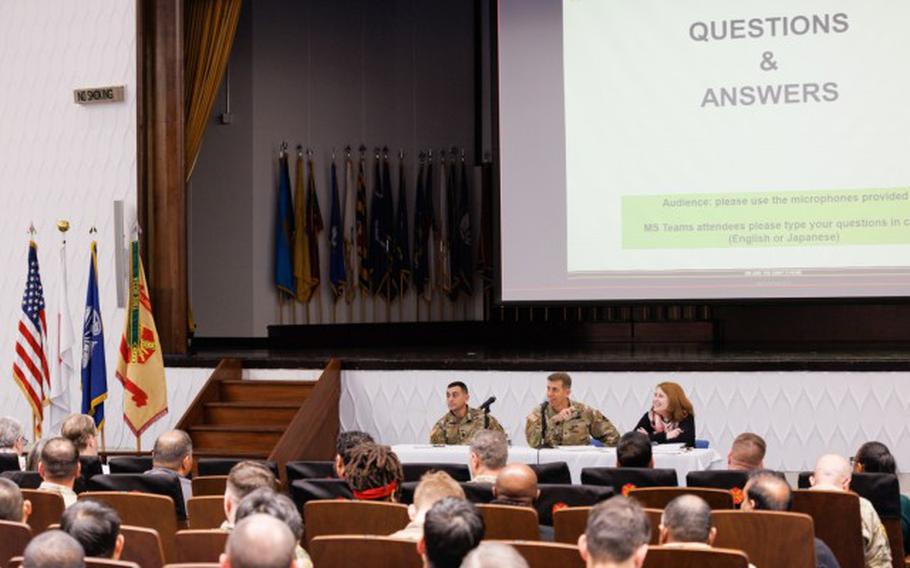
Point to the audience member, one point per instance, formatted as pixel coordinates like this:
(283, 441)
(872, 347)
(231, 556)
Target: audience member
(12, 441)
(433, 487)
(34, 455)
(59, 467)
(489, 454)
(96, 526)
(259, 541)
(172, 455)
(671, 418)
(833, 473)
(244, 478)
(374, 473)
(747, 452)
(12, 506)
(875, 457)
(268, 502)
(344, 444)
(53, 549)
(80, 430)
(617, 535)
(686, 523)
(516, 485)
(634, 450)
(492, 554)
(769, 491)
(453, 528)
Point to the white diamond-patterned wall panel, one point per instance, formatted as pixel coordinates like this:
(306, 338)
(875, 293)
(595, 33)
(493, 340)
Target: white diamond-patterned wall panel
(800, 414)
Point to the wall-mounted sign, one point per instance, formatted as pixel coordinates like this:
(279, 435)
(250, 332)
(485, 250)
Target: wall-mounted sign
(98, 95)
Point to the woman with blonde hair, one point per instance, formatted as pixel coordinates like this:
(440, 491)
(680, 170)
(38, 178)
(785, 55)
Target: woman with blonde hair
(671, 418)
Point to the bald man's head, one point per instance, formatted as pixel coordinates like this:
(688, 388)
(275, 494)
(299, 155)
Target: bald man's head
(832, 472)
(174, 450)
(517, 483)
(767, 491)
(259, 541)
(687, 519)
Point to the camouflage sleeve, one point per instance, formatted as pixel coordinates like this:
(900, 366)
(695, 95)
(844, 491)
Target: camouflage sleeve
(876, 548)
(437, 434)
(495, 425)
(603, 430)
(533, 429)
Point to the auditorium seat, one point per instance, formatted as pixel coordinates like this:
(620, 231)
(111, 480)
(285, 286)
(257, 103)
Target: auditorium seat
(570, 523)
(619, 477)
(347, 551)
(560, 496)
(790, 536)
(9, 462)
(166, 485)
(477, 492)
(209, 485)
(554, 473)
(92, 562)
(548, 554)
(142, 510)
(505, 522)
(310, 470)
(14, 538)
(659, 557)
(129, 464)
(835, 515)
(222, 466)
(659, 497)
(414, 471)
(306, 490)
(206, 512)
(717, 478)
(24, 479)
(200, 545)
(91, 466)
(654, 517)
(142, 545)
(353, 517)
(194, 565)
(47, 508)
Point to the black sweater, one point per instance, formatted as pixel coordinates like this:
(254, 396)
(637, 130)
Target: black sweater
(687, 436)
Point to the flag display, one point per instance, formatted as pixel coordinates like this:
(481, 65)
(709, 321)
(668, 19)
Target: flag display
(443, 252)
(351, 259)
(284, 231)
(337, 274)
(402, 252)
(422, 221)
(141, 366)
(462, 244)
(380, 233)
(313, 226)
(362, 230)
(65, 371)
(94, 368)
(30, 369)
(302, 259)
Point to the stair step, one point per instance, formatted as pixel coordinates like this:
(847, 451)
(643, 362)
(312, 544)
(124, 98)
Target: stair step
(222, 453)
(258, 391)
(236, 438)
(267, 413)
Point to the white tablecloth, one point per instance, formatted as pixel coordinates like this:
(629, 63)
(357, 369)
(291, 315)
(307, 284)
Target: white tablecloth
(683, 461)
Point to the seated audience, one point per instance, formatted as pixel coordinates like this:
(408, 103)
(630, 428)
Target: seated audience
(345, 443)
(489, 454)
(259, 541)
(634, 450)
(267, 502)
(96, 526)
(374, 473)
(12, 441)
(769, 491)
(453, 528)
(34, 456)
(244, 478)
(686, 523)
(59, 467)
(172, 455)
(875, 457)
(617, 535)
(12, 506)
(671, 418)
(833, 473)
(80, 430)
(516, 485)
(492, 554)
(433, 487)
(53, 549)
(747, 452)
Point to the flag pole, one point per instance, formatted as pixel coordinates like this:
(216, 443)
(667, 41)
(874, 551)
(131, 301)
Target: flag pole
(138, 443)
(34, 426)
(103, 440)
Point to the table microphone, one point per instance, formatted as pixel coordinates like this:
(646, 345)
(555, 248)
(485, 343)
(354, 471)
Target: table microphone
(486, 405)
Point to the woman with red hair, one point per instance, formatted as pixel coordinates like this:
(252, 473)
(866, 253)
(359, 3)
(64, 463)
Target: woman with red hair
(671, 419)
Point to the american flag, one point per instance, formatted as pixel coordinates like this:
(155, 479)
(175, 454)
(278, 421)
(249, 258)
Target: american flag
(30, 364)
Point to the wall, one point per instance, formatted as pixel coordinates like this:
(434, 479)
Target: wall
(325, 75)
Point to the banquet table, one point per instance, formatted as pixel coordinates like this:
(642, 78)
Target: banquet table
(683, 460)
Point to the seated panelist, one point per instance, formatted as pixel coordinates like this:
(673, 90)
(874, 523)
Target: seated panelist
(461, 422)
(671, 418)
(561, 421)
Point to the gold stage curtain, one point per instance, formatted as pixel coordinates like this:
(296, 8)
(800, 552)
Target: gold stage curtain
(209, 29)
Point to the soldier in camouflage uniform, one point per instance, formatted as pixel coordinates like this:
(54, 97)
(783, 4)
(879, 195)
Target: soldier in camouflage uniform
(568, 423)
(461, 422)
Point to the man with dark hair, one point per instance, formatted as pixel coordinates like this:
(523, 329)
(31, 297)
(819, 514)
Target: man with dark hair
(747, 452)
(346, 443)
(634, 450)
(172, 455)
(686, 523)
(561, 421)
(53, 549)
(617, 535)
(769, 491)
(453, 528)
(461, 422)
(12, 506)
(259, 541)
(96, 526)
(59, 467)
(489, 452)
(374, 473)
(244, 478)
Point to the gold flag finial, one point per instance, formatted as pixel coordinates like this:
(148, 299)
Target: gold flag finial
(63, 225)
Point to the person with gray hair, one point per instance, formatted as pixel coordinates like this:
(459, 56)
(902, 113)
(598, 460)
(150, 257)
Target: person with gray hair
(12, 506)
(686, 523)
(617, 535)
(53, 549)
(266, 501)
(489, 454)
(259, 541)
(12, 441)
(172, 455)
(491, 554)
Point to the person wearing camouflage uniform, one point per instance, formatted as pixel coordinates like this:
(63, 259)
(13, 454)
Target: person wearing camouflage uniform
(568, 422)
(461, 422)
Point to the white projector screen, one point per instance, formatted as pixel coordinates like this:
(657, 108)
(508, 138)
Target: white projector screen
(697, 149)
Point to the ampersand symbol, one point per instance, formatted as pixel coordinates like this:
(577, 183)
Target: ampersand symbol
(767, 61)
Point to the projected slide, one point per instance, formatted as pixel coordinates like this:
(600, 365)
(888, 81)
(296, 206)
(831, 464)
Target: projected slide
(704, 148)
